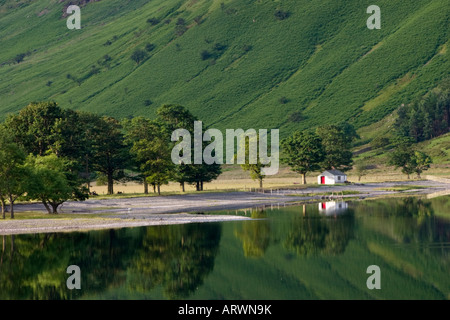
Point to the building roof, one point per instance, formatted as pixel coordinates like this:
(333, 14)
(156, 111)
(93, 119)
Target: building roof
(332, 173)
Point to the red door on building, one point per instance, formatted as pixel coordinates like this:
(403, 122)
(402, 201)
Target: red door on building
(322, 180)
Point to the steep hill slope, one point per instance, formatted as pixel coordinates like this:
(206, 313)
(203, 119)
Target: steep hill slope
(234, 63)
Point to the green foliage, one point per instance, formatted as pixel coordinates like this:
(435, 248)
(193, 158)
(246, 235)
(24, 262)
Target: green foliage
(361, 169)
(426, 118)
(323, 58)
(380, 142)
(304, 152)
(138, 56)
(51, 182)
(337, 140)
(172, 117)
(110, 154)
(421, 161)
(13, 174)
(410, 160)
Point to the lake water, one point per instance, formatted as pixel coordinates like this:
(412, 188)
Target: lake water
(316, 251)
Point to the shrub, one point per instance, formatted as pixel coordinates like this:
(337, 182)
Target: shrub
(295, 116)
(380, 142)
(19, 58)
(283, 100)
(149, 47)
(205, 55)
(153, 21)
(181, 22)
(180, 29)
(198, 20)
(247, 47)
(219, 47)
(138, 56)
(281, 15)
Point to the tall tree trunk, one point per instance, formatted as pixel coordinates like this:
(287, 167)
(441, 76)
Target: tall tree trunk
(197, 186)
(54, 207)
(260, 183)
(88, 180)
(3, 249)
(182, 186)
(145, 186)
(201, 185)
(11, 206)
(3, 207)
(110, 184)
(303, 178)
(159, 189)
(154, 187)
(12, 246)
(47, 206)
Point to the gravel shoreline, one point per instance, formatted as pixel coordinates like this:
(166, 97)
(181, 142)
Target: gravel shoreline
(175, 209)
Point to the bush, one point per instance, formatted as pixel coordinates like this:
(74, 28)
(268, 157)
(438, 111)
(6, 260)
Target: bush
(149, 47)
(281, 15)
(19, 58)
(283, 100)
(380, 142)
(198, 20)
(219, 47)
(153, 21)
(247, 47)
(205, 55)
(180, 29)
(181, 22)
(295, 116)
(138, 56)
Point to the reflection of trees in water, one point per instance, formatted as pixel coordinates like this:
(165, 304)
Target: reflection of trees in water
(35, 267)
(176, 257)
(314, 234)
(255, 235)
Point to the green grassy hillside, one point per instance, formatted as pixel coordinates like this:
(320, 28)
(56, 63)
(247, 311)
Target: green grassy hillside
(233, 63)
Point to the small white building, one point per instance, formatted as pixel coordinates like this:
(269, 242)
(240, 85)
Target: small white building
(332, 177)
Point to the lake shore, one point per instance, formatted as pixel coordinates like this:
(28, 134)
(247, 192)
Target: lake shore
(191, 208)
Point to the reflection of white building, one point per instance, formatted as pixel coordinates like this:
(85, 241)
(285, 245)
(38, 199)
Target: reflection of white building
(331, 177)
(333, 207)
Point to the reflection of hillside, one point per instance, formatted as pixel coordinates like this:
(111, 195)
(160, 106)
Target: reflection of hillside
(409, 220)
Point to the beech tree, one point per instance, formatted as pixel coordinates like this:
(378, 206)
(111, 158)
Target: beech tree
(110, 154)
(173, 117)
(51, 182)
(403, 156)
(13, 174)
(304, 152)
(336, 140)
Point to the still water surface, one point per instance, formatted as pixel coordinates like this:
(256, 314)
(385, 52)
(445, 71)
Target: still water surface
(317, 251)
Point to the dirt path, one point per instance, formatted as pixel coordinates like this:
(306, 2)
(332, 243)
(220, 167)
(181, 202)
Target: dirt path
(145, 211)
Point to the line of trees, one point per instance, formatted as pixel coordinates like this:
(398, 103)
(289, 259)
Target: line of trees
(327, 147)
(428, 117)
(52, 154)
